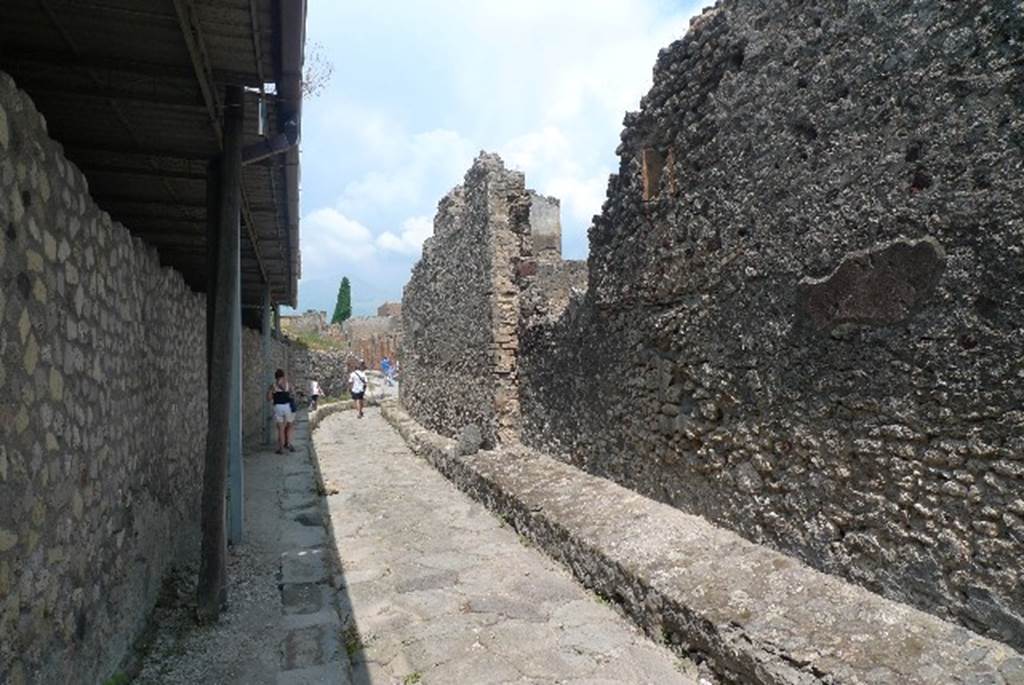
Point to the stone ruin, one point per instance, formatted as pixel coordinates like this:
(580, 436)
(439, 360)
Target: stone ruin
(463, 304)
(801, 313)
(366, 338)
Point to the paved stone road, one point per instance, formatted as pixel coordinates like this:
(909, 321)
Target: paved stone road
(442, 592)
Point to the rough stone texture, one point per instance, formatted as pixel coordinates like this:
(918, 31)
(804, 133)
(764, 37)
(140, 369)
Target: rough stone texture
(309, 321)
(102, 416)
(470, 439)
(754, 615)
(460, 308)
(330, 368)
(390, 309)
(443, 592)
(804, 302)
(372, 338)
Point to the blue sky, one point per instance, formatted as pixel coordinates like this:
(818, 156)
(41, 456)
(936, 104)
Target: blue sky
(419, 88)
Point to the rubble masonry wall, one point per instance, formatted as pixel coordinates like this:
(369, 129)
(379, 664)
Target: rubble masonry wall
(804, 305)
(102, 416)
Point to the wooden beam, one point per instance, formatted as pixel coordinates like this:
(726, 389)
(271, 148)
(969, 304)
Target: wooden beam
(191, 30)
(125, 170)
(155, 154)
(159, 100)
(118, 112)
(114, 66)
(140, 223)
(111, 199)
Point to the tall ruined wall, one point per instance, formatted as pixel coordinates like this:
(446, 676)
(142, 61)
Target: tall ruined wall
(460, 308)
(330, 368)
(805, 305)
(371, 338)
(102, 416)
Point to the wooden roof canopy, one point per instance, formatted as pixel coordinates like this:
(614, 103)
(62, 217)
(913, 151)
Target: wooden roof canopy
(133, 89)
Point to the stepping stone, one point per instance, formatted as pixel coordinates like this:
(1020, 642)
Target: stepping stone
(303, 536)
(309, 517)
(304, 566)
(311, 646)
(334, 673)
(302, 598)
(299, 482)
(291, 501)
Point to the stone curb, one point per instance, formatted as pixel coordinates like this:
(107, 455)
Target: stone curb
(330, 572)
(756, 615)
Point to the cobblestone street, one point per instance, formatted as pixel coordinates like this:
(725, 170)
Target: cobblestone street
(443, 592)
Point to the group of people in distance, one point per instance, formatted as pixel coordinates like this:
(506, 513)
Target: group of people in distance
(282, 397)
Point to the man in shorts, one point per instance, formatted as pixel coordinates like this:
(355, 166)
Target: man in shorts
(357, 384)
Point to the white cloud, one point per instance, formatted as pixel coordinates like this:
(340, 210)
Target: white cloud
(415, 230)
(406, 180)
(330, 238)
(543, 83)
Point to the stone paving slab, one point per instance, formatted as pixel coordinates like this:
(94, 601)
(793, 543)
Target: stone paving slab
(334, 673)
(305, 566)
(443, 592)
(758, 615)
(283, 624)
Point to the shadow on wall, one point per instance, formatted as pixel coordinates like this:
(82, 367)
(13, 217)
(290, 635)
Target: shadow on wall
(800, 306)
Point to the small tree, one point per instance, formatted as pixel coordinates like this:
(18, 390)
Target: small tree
(343, 308)
(316, 70)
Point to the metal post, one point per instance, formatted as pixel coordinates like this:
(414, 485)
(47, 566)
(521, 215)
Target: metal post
(268, 371)
(236, 471)
(224, 370)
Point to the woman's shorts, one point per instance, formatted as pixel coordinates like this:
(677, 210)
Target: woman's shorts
(358, 395)
(283, 413)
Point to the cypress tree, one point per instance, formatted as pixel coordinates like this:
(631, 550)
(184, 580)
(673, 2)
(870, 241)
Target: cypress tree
(343, 307)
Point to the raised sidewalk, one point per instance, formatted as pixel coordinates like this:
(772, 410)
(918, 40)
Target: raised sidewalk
(755, 615)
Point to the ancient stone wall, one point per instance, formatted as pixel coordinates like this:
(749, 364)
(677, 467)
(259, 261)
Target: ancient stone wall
(102, 416)
(310, 321)
(330, 368)
(371, 338)
(390, 309)
(460, 308)
(804, 305)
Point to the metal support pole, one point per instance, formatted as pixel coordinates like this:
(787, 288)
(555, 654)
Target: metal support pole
(268, 371)
(224, 370)
(277, 319)
(236, 471)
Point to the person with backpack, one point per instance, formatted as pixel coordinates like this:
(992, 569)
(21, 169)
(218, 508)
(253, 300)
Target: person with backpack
(280, 394)
(357, 384)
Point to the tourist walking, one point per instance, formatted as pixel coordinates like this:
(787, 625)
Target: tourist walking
(357, 384)
(385, 368)
(314, 394)
(280, 394)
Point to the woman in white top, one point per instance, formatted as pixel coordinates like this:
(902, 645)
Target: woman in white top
(357, 384)
(280, 394)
